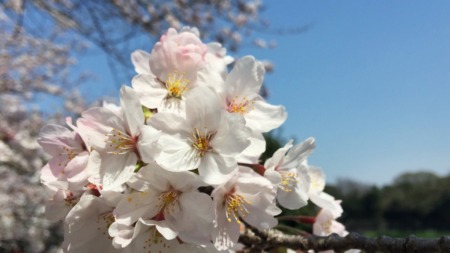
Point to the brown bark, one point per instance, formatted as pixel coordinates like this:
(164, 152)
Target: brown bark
(258, 241)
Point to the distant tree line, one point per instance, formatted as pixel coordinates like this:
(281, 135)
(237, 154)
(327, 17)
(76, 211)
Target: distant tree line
(413, 202)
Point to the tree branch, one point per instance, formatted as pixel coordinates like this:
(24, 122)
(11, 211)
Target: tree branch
(258, 241)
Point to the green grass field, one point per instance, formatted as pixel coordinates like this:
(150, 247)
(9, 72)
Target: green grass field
(398, 233)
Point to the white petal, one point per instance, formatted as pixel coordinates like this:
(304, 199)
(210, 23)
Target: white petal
(246, 77)
(278, 157)
(170, 123)
(76, 170)
(132, 109)
(151, 178)
(141, 62)
(317, 179)
(203, 109)
(216, 169)
(195, 227)
(122, 234)
(265, 117)
(86, 228)
(293, 200)
(259, 218)
(232, 137)
(151, 92)
(299, 153)
(98, 121)
(136, 205)
(147, 144)
(252, 153)
(326, 201)
(176, 154)
(111, 170)
(273, 176)
(150, 240)
(53, 137)
(225, 234)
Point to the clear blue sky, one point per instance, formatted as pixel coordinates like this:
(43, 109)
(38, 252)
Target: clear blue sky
(370, 81)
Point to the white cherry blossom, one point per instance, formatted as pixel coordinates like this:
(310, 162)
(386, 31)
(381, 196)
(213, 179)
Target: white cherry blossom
(171, 202)
(87, 224)
(247, 196)
(288, 171)
(318, 196)
(242, 87)
(326, 224)
(207, 139)
(240, 95)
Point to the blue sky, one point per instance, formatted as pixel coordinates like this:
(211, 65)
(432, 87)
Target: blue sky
(370, 80)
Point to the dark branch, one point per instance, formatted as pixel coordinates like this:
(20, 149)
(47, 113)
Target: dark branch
(273, 238)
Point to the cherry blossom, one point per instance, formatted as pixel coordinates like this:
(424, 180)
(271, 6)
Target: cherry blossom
(240, 95)
(247, 196)
(318, 196)
(286, 169)
(173, 66)
(69, 156)
(170, 201)
(326, 224)
(207, 139)
(87, 224)
(114, 140)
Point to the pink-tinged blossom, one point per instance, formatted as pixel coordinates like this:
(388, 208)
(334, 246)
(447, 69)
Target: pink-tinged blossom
(174, 63)
(69, 156)
(61, 202)
(207, 139)
(183, 52)
(114, 140)
(247, 196)
(171, 70)
(170, 201)
(318, 196)
(87, 224)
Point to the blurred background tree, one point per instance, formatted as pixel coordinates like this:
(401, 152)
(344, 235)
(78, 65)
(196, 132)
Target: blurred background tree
(415, 203)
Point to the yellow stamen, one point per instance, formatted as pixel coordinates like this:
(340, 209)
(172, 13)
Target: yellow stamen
(327, 226)
(167, 201)
(201, 141)
(241, 106)
(70, 153)
(176, 85)
(235, 207)
(120, 142)
(288, 181)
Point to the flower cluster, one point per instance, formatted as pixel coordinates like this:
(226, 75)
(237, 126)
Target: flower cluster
(175, 167)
